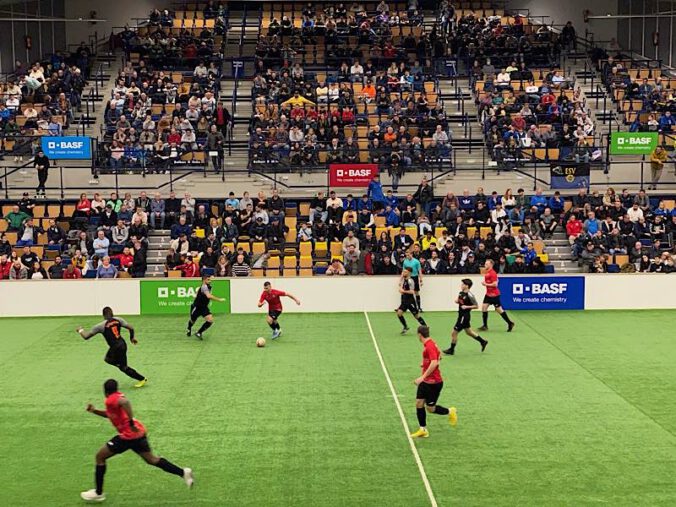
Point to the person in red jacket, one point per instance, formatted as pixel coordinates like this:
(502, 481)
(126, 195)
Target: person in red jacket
(189, 269)
(72, 272)
(5, 266)
(126, 259)
(573, 228)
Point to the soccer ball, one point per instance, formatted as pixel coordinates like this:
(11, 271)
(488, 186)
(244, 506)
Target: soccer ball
(260, 342)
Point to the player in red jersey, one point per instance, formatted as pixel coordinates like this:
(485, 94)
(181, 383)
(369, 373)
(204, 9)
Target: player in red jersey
(131, 434)
(273, 298)
(492, 297)
(430, 385)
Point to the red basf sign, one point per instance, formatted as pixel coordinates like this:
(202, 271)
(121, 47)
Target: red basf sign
(351, 175)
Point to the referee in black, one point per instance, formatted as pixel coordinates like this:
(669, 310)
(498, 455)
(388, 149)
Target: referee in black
(111, 329)
(41, 163)
(466, 303)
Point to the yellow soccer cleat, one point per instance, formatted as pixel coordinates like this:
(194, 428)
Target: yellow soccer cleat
(141, 383)
(421, 433)
(453, 416)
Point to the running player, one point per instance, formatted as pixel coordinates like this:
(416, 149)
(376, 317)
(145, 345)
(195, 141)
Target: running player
(408, 300)
(200, 307)
(466, 303)
(430, 385)
(131, 434)
(111, 328)
(416, 274)
(492, 297)
(273, 298)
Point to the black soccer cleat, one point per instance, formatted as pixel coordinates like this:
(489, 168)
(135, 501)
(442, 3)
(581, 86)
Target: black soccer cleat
(483, 328)
(484, 344)
(198, 336)
(188, 332)
(404, 331)
(510, 326)
(449, 352)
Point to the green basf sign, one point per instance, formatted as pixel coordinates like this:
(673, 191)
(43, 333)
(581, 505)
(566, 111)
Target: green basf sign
(174, 296)
(633, 143)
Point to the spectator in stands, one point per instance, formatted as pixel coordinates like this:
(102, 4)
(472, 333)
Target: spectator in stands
(56, 236)
(240, 267)
(106, 269)
(101, 244)
(16, 219)
(18, 271)
(336, 268)
(157, 211)
(351, 259)
(657, 160)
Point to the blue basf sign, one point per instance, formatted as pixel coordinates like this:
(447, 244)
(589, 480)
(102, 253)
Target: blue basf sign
(542, 292)
(68, 147)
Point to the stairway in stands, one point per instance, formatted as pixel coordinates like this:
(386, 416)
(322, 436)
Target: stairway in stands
(158, 246)
(558, 250)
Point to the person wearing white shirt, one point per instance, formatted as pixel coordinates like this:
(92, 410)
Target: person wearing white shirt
(635, 213)
(356, 72)
(503, 79)
(497, 213)
(440, 136)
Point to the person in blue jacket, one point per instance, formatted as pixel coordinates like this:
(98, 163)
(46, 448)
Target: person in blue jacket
(375, 191)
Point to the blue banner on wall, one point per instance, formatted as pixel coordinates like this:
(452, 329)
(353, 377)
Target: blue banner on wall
(542, 292)
(67, 147)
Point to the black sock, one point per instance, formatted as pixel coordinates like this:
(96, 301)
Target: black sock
(422, 321)
(478, 338)
(275, 325)
(505, 317)
(417, 300)
(484, 316)
(131, 372)
(440, 410)
(403, 321)
(204, 327)
(272, 325)
(453, 346)
(422, 416)
(190, 324)
(100, 472)
(169, 467)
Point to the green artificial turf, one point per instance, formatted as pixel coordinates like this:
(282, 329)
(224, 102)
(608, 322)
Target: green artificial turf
(572, 408)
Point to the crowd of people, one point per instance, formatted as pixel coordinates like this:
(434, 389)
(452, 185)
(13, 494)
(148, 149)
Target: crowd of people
(152, 121)
(304, 118)
(103, 239)
(374, 233)
(40, 99)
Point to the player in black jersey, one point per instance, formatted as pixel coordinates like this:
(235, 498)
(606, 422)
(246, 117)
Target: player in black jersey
(200, 307)
(408, 300)
(111, 329)
(466, 303)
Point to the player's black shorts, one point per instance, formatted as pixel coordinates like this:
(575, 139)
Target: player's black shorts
(196, 312)
(274, 314)
(410, 306)
(118, 445)
(492, 300)
(429, 392)
(463, 322)
(416, 283)
(117, 356)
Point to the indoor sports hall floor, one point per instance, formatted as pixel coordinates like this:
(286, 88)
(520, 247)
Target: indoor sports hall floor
(573, 408)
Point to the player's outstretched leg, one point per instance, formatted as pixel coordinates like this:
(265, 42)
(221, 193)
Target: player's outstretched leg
(454, 341)
(505, 317)
(208, 322)
(452, 413)
(420, 319)
(484, 317)
(421, 414)
(478, 338)
(97, 495)
(169, 467)
(404, 329)
(188, 330)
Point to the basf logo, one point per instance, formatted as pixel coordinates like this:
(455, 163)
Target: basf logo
(351, 175)
(70, 147)
(542, 293)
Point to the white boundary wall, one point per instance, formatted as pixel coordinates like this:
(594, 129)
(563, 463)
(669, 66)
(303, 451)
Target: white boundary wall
(317, 294)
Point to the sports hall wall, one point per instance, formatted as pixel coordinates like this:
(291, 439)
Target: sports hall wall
(348, 294)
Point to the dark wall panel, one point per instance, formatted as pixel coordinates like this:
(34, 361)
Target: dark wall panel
(6, 46)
